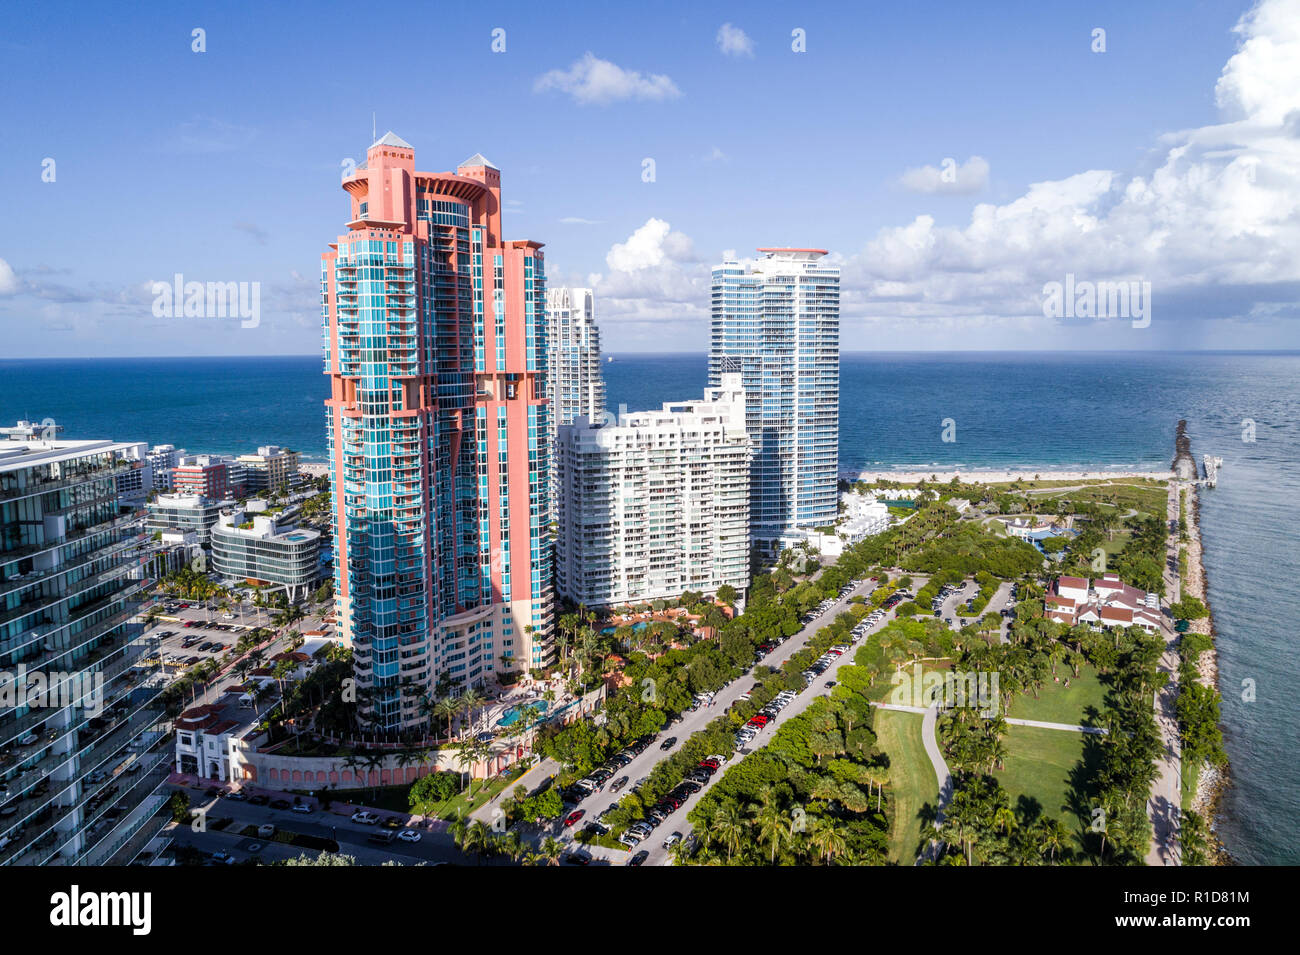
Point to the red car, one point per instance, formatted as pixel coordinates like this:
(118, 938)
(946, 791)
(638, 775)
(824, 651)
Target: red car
(759, 721)
(710, 763)
(574, 816)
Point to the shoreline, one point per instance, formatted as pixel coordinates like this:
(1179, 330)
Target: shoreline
(1211, 781)
(998, 475)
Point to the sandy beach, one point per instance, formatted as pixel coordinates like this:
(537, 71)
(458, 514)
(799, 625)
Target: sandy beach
(981, 476)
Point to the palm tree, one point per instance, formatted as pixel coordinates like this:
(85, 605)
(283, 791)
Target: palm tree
(458, 829)
(374, 763)
(471, 700)
(447, 708)
(511, 846)
(466, 758)
(877, 778)
(771, 822)
(825, 836)
(729, 827)
(551, 849)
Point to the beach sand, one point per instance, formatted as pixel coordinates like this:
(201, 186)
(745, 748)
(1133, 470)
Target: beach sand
(990, 476)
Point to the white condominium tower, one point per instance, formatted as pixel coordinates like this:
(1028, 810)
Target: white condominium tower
(776, 321)
(574, 383)
(657, 504)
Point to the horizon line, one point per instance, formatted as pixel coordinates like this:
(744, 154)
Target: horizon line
(880, 351)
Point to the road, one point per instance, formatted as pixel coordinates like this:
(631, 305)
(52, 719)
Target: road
(353, 839)
(677, 822)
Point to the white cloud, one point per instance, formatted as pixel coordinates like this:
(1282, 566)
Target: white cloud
(715, 155)
(8, 281)
(733, 41)
(578, 220)
(593, 81)
(971, 176)
(655, 287)
(1213, 221)
(651, 245)
(1262, 80)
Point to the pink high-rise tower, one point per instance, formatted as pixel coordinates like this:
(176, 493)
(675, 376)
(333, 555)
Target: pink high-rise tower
(435, 344)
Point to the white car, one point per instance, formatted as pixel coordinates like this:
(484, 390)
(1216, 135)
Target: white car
(408, 835)
(365, 818)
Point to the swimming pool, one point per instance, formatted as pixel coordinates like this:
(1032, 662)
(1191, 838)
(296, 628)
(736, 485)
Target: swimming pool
(639, 625)
(511, 716)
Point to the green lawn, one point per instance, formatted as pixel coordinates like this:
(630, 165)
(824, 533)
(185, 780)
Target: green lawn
(912, 782)
(1057, 704)
(1041, 766)
(395, 798)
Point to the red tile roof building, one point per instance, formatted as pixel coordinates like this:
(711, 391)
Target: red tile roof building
(1105, 602)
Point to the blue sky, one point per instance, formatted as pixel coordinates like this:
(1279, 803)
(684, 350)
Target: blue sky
(224, 165)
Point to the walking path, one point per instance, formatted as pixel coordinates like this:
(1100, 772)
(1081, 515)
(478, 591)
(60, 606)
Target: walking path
(1165, 804)
(940, 771)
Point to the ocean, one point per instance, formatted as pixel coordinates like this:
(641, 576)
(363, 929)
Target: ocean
(1005, 410)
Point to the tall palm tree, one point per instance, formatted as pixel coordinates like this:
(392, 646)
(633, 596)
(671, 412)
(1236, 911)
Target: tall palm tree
(466, 758)
(825, 836)
(447, 708)
(470, 701)
(729, 828)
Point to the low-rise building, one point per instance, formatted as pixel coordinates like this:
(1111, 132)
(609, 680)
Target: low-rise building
(162, 459)
(185, 512)
(272, 468)
(258, 548)
(207, 475)
(1105, 602)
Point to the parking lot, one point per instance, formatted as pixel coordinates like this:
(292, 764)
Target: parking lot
(667, 823)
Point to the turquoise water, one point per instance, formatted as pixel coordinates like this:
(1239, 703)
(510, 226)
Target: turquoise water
(640, 625)
(1020, 410)
(511, 716)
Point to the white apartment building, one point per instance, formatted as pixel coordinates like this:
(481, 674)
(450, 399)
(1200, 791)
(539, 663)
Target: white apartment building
(162, 458)
(574, 383)
(656, 504)
(776, 321)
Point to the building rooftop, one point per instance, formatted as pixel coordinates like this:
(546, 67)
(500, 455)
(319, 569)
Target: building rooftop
(24, 446)
(391, 138)
(478, 159)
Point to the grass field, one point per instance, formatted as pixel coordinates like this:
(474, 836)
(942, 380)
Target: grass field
(1040, 767)
(1151, 498)
(1057, 704)
(912, 782)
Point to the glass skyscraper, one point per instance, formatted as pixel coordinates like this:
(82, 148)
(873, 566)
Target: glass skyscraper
(776, 322)
(83, 730)
(435, 343)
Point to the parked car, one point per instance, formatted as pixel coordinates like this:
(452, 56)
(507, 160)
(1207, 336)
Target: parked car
(639, 858)
(365, 818)
(300, 807)
(266, 830)
(574, 816)
(409, 835)
(669, 743)
(618, 784)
